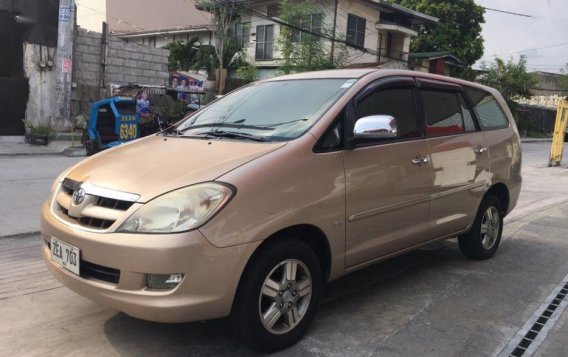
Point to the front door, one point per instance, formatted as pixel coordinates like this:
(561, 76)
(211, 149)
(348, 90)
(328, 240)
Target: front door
(388, 181)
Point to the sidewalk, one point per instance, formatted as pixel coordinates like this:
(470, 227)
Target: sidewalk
(15, 146)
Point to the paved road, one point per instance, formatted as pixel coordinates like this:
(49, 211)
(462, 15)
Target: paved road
(431, 302)
(24, 185)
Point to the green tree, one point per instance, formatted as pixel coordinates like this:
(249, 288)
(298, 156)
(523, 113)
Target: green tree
(458, 31)
(302, 51)
(510, 78)
(223, 14)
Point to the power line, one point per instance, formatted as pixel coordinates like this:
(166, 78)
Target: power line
(528, 50)
(506, 12)
(112, 17)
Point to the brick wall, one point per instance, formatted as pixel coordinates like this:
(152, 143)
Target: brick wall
(125, 63)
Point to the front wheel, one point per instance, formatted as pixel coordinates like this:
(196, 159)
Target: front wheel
(482, 241)
(277, 296)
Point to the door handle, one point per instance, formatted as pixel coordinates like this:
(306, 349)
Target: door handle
(420, 160)
(480, 150)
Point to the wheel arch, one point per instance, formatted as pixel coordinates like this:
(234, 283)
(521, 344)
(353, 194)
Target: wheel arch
(500, 191)
(307, 233)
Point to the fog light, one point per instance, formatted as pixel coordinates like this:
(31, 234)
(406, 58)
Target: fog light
(163, 281)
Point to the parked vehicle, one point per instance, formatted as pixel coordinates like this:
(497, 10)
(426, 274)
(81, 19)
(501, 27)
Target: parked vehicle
(112, 121)
(248, 207)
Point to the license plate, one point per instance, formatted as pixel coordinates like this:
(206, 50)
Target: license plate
(65, 255)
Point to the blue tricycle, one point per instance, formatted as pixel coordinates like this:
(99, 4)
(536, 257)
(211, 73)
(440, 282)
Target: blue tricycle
(112, 122)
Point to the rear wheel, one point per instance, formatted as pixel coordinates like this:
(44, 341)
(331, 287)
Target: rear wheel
(482, 241)
(277, 296)
(90, 146)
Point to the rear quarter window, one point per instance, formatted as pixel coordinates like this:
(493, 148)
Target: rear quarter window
(488, 111)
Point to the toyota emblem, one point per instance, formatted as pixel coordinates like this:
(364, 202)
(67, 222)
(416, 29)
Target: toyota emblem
(78, 196)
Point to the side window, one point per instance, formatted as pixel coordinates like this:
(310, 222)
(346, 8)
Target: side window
(487, 110)
(468, 122)
(398, 103)
(442, 112)
(333, 138)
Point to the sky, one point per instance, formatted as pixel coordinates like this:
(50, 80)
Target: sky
(508, 35)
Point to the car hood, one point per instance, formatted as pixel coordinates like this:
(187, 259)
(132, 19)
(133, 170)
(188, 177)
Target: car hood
(154, 165)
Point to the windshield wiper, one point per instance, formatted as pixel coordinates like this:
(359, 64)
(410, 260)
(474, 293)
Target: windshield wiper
(225, 125)
(233, 134)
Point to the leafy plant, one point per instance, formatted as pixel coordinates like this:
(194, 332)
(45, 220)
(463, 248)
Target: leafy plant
(166, 105)
(510, 78)
(248, 72)
(40, 130)
(183, 55)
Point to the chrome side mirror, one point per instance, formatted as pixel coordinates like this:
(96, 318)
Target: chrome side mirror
(375, 127)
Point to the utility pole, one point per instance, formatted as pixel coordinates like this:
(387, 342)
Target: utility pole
(331, 55)
(64, 61)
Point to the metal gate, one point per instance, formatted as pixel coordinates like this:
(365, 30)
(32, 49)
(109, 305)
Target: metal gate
(14, 88)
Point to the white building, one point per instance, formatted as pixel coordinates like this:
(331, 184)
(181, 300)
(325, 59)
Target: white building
(377, 32)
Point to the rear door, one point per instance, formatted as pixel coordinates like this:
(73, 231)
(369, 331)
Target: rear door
(459, 157)
(388, 181)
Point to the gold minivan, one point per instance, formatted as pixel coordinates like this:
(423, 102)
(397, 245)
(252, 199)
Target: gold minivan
(246, 208)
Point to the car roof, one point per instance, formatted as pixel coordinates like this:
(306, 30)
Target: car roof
(332, 73)
(357, 73)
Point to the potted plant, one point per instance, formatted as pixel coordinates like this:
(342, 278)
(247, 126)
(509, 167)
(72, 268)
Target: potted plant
(38, 134)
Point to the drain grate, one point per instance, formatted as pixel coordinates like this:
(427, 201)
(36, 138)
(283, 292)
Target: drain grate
(541, 322)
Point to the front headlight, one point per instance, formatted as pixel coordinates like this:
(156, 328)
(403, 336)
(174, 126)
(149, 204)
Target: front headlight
(180, 210)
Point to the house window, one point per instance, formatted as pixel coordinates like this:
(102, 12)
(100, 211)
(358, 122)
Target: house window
(264, 42)
(312, 24)
(241, 32)
(356, 30)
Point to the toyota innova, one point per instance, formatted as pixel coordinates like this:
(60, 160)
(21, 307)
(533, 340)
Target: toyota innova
(246, 208)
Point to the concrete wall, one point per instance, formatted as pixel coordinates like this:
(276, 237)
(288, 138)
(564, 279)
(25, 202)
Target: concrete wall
(550, 82)
(125, 63)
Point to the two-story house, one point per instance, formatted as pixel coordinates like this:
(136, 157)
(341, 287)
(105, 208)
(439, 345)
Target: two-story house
(375, 32)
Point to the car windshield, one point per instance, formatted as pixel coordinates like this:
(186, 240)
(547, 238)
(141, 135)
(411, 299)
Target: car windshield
(267, 111)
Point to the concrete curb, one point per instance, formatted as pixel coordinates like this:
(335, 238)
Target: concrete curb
(530, 141)
(21, 235)
(20, 154)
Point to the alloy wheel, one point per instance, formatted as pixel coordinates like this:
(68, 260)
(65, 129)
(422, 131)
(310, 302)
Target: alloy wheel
(490, 226)
(285, 296)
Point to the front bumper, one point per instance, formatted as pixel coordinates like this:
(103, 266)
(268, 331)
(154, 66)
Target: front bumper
(206, 292)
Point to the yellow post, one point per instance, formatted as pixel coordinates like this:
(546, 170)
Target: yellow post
(558, 138)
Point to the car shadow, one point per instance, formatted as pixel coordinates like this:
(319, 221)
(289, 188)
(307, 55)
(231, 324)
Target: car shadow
(342, 299)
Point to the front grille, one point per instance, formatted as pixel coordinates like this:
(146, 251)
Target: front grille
(99, 272)
(113, 208)
(95, 222)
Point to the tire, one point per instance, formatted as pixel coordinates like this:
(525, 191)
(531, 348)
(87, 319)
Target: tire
(90, 146)
(483, 239)
(287, 300)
